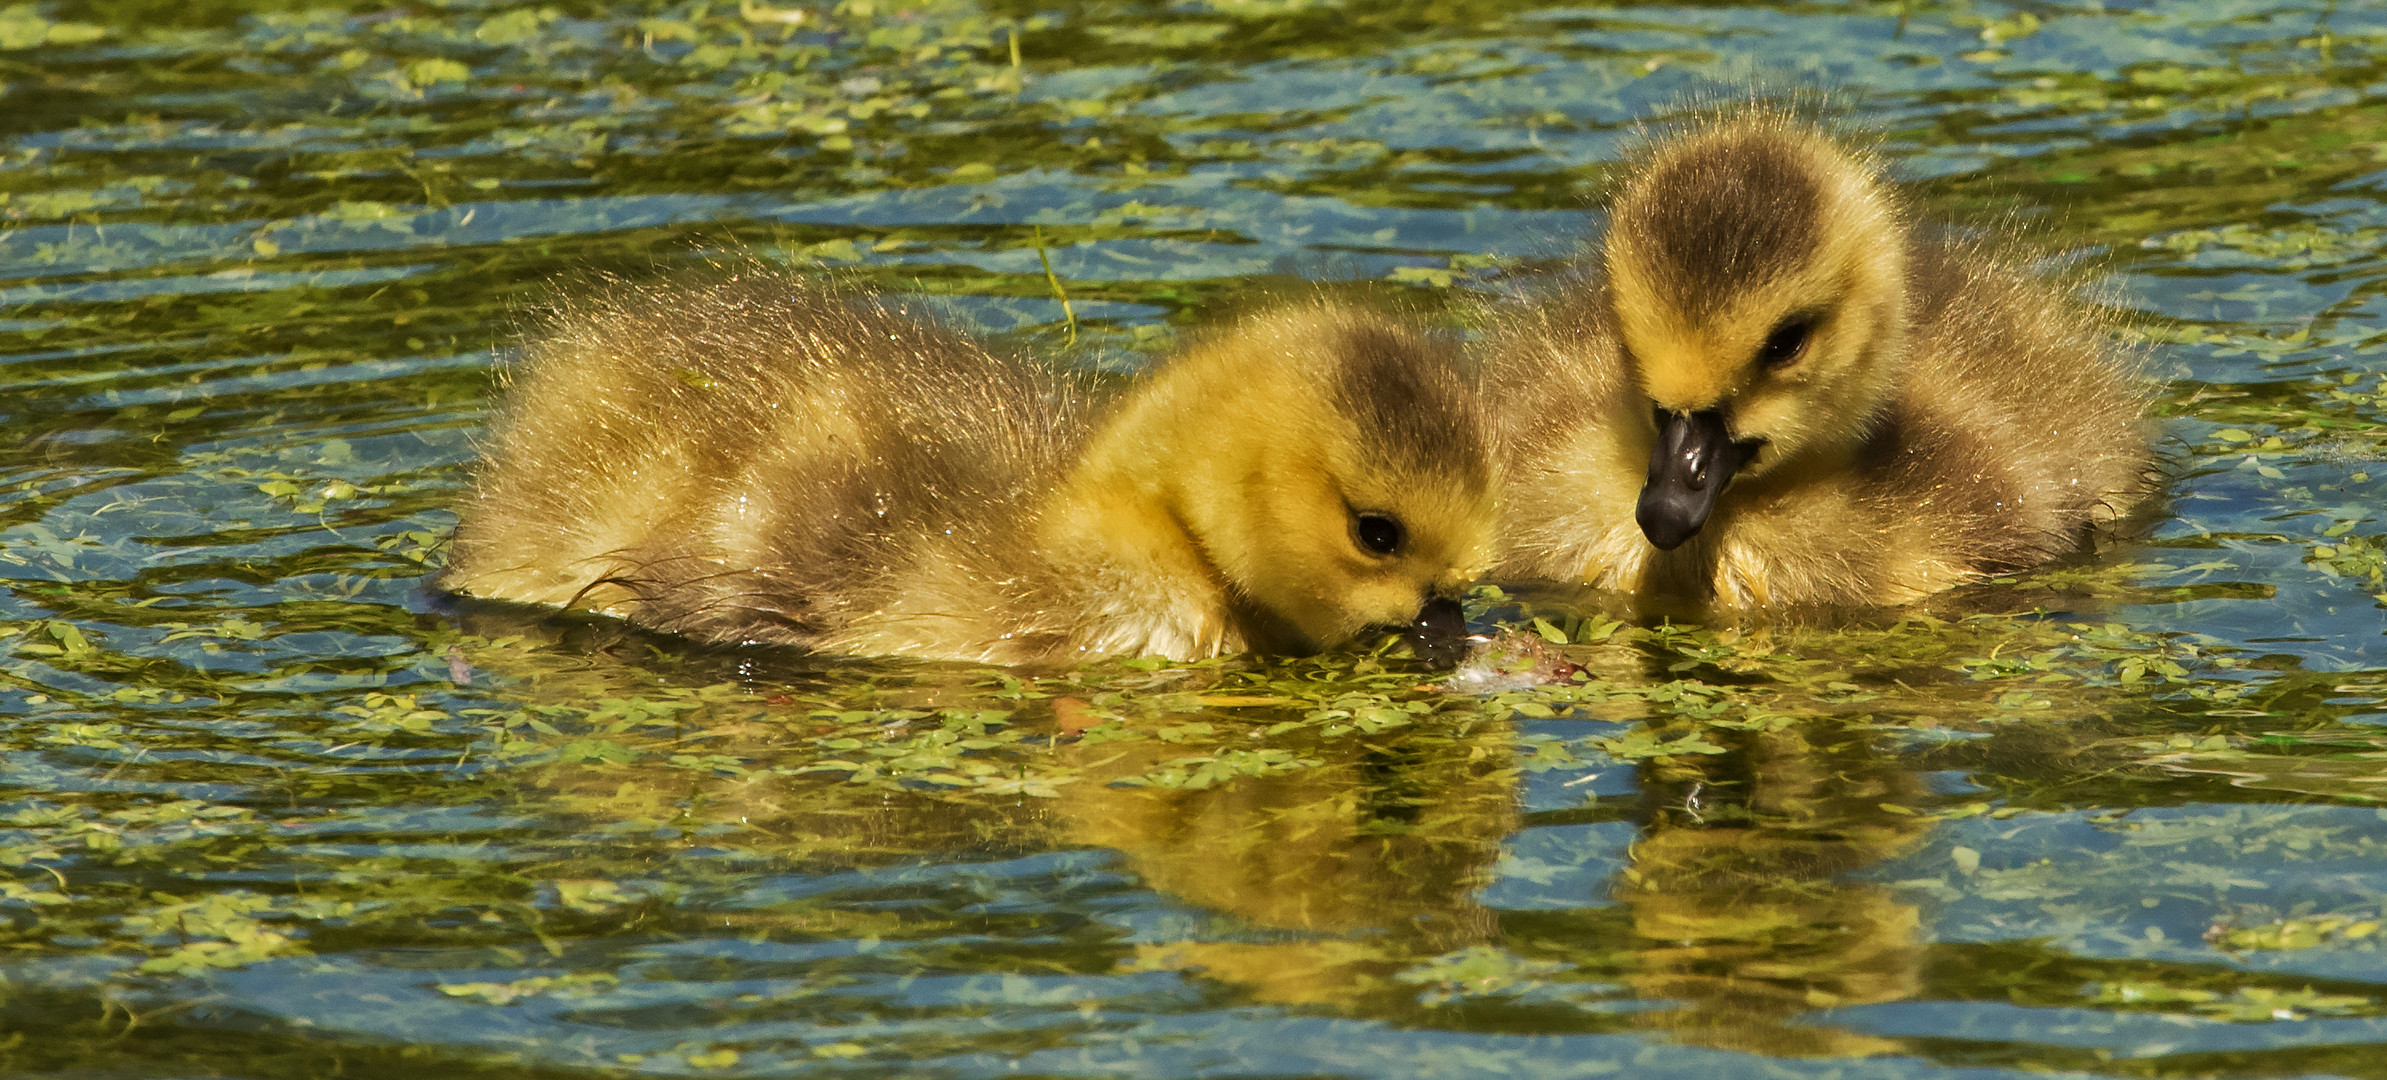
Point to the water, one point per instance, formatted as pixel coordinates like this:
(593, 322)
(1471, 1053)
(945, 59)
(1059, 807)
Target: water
(268, 808)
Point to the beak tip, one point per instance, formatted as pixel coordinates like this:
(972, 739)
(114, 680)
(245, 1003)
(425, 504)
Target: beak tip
(1670, 518)
(1667, 537)
(1438, 635)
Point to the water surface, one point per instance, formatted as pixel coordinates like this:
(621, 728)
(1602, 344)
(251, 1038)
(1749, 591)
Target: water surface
(268, 808)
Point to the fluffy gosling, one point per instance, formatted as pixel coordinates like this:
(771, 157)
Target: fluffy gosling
(1768, 389)
(770, 460)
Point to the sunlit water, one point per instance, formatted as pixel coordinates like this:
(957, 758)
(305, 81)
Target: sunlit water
(269, 808)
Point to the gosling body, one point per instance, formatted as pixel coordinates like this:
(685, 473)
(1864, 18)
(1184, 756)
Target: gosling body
(767, 459)
(1768, 388)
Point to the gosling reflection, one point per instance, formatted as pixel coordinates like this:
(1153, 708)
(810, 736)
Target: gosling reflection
(1309, 886)
(1347, 871)
(1738, 899)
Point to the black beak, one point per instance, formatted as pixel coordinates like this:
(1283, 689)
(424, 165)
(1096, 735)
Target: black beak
(1694, 459)
(1438, 635)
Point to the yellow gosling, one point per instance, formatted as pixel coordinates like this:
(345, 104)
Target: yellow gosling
(765, 459)
(1770, 390)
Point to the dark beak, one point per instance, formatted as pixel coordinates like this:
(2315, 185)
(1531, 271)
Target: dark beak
(1438, 635)
(1694, 459)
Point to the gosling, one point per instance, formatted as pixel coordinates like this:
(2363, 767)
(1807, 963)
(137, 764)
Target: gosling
(1768, 389)
(766, 459)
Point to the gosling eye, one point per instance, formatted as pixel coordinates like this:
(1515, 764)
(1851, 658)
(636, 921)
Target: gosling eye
(1787, 342)
(1379, 533)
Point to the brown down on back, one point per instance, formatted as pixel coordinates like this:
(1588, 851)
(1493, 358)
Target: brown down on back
(643, 423)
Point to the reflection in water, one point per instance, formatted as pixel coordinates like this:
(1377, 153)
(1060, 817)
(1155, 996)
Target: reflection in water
(1736, 893)
(1326, 886)
(1373, 857)
(1324, 879)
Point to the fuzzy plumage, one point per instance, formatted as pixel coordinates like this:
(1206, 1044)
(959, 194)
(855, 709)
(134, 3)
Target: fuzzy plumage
(767, 459)
(1915, 412)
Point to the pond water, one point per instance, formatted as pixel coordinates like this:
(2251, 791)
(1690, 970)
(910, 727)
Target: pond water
(269, 808)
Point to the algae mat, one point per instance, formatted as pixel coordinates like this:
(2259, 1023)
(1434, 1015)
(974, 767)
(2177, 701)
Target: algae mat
(269, 809)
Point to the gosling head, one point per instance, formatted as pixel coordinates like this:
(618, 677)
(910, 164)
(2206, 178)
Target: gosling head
(1332, 464)
(1758, 276)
